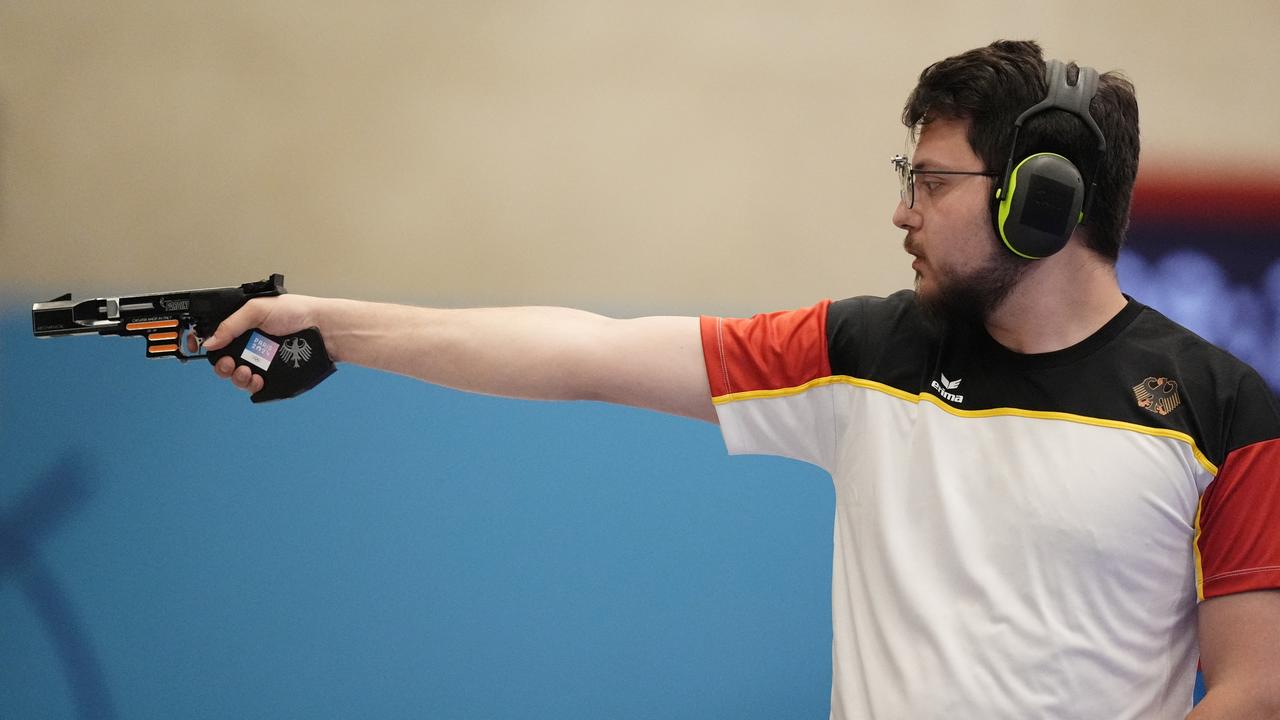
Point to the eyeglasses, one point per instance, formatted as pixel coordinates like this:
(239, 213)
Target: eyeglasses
(907, 177)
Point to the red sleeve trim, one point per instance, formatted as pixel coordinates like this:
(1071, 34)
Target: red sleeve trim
(766, 352)
(1239, 533)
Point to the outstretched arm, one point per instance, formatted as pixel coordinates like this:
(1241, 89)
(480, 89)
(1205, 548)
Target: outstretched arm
(528, 352)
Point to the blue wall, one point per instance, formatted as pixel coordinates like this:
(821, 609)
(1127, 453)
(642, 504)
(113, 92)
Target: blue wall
(384, 548)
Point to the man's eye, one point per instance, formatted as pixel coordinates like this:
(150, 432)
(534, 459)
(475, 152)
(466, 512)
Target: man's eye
(931, 185)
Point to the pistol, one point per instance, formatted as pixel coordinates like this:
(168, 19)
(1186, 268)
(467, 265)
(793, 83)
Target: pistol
(289, 365)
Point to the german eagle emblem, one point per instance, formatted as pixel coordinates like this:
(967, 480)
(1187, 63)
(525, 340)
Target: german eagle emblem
(295, 351)
(1157, 394)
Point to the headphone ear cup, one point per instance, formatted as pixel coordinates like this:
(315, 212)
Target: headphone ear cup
(1038, 206)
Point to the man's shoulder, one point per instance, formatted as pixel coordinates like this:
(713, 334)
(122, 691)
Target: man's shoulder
(898, 301)
(872, 313)
(1155, 332)
(1230, 400)
(887, 339)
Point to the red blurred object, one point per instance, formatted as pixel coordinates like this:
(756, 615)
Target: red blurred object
(1198, 196)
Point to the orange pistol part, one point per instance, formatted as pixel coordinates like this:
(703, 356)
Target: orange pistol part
(157, 325)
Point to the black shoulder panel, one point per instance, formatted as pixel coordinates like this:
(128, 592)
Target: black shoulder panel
(1140, 368)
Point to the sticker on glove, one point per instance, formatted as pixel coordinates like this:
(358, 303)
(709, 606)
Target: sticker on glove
(260, 351)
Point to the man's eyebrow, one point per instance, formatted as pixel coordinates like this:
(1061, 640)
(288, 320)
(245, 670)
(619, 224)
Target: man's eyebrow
(926, 167)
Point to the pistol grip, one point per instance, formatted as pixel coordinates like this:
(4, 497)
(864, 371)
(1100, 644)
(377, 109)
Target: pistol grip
(289, 365)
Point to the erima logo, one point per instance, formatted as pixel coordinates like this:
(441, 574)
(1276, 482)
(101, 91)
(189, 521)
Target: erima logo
(947, 385)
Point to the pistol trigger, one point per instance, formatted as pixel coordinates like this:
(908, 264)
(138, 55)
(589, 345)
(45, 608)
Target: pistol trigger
(190, 344)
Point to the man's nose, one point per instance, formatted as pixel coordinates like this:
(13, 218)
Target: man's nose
(906, 218)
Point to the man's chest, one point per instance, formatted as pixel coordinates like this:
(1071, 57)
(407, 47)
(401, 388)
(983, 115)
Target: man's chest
(1016, 489)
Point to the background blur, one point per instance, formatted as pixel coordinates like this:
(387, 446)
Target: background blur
(383, 548)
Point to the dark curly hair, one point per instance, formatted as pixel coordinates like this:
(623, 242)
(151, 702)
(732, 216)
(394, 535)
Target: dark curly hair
(991, 86)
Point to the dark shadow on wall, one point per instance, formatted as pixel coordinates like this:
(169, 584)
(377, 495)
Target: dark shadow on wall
(55, 495)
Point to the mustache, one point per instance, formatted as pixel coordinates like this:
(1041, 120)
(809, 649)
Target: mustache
(912, 247)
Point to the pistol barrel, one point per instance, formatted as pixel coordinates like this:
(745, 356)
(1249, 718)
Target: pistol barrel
(126, 315)
(71, 317)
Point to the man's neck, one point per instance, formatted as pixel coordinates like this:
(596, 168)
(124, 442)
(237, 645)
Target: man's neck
(1059, 302)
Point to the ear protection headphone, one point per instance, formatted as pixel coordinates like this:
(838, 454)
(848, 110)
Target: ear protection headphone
(1042, 199)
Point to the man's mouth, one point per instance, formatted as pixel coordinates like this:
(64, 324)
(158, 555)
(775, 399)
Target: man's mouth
(913, 250)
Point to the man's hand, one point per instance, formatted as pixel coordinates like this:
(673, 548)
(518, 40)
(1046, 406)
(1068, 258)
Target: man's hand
(283, 315)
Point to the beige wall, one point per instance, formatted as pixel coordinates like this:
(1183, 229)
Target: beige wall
(624, 156)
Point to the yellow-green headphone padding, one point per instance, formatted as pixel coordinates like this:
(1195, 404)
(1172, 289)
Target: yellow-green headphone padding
(1006, 202)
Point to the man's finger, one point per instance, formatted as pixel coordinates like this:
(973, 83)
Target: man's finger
(242, 377)
(239, 322)
(224, 367)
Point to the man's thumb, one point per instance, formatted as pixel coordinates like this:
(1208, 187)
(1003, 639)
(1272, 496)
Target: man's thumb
(235, 325)
(213, 342)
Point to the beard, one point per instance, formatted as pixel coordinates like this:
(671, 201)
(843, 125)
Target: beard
(969, 299)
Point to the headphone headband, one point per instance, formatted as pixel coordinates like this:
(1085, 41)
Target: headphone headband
(1074, 99)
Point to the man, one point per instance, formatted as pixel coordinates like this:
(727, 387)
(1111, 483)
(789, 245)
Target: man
(1051, 500)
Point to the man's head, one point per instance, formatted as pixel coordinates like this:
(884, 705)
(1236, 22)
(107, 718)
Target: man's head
(961, 117)
(989, 87)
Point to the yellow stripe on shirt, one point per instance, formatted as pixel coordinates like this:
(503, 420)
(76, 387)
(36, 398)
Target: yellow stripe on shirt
(991, 412)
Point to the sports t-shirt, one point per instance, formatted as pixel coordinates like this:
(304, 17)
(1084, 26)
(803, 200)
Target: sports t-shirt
(1015, 535)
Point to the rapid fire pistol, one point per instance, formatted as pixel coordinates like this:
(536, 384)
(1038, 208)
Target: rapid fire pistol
(289, 365)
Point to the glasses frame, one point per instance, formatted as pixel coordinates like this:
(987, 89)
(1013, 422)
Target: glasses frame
(907, 177)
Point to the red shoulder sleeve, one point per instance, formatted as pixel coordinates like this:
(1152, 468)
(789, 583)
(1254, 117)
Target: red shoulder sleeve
(766, 352)
(1238, 527)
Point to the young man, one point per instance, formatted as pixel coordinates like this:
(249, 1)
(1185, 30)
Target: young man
(1051, 500)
